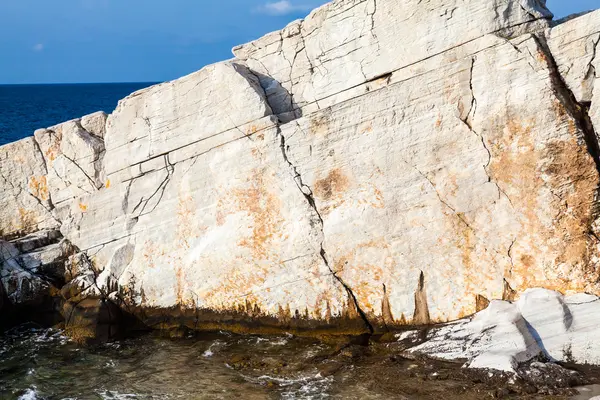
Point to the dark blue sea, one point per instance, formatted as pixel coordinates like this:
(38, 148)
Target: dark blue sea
(25, 108)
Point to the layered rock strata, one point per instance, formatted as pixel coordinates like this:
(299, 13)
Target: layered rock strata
(379, 164)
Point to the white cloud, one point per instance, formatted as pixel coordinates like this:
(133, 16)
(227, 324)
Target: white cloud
(282, 7)
(38, 47)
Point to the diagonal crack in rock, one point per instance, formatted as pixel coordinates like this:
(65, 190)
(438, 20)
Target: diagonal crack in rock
(308, 195)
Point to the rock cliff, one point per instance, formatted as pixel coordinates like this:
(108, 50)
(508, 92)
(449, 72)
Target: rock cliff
(378, 164)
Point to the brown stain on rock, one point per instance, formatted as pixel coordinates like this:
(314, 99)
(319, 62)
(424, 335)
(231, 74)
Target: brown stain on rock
(366, 278)
(249, 319)
(421, 315)
(576, 181)
(53, 150)
(26, 220)
(386, 309)
(188, 230)
(319, 124)
(508, 294)
(332, 186)
(556, 254)
(481, 302)
(261, 204)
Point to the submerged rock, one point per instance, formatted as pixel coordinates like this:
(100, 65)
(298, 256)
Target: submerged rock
(375, 165)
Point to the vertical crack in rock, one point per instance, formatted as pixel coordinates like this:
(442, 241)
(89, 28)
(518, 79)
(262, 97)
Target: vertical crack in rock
(468, 122)
(372, 16)
(439, 196)
(577, 111)
(510, 257)
(591, 69)
(308, 195)
(50, 206)
(98, 162)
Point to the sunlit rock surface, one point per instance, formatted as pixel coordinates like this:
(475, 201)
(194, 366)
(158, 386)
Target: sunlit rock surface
(378, 164)
(542, 324)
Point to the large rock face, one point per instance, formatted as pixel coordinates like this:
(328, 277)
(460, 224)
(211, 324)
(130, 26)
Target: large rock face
(378, 164)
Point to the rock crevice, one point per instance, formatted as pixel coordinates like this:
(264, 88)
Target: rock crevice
(453, 164)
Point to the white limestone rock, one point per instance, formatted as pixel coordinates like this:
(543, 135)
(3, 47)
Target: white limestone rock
(575, 45)
(416, 159)
(302, 65)
(24, 193)
(154, 121)
(73, 157)
(464, 174)
(216, 223)
(505, 335)
(95, 123)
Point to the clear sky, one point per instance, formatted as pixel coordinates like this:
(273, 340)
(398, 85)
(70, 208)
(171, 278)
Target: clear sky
(142, 40)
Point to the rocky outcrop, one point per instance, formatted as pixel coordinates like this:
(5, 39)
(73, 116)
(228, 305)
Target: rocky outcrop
(379, 164)
(33, 267)
(543, 325)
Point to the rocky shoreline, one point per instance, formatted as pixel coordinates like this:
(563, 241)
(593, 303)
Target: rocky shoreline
(378, 167)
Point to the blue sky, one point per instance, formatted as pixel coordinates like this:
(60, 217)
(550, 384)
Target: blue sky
(142, 40)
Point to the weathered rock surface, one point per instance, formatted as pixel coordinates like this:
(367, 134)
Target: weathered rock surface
(378, 164)
(25, 199)
(541, 324)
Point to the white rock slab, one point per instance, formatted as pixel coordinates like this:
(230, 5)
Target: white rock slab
(542, 323)
(302, 64)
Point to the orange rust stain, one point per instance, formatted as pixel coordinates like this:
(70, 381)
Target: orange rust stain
(186, 221)
(527, 260)
(366, 127)
(264, 207)
(252, 129)
(150, 253)
(335, 184)
(83, 207)
(379, 200)
(542, 57)
(481, 302)
(555, 255)
(465, 241)
(245, 274)
(188, 230)
(107, 184)
(53, 150)
(180, 285)
(38, 187)
(367, 279)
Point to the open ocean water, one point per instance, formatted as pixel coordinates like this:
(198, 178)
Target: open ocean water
(25, 108)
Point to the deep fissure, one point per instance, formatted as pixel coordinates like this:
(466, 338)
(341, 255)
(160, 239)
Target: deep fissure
(577, 110)
(308, 195)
